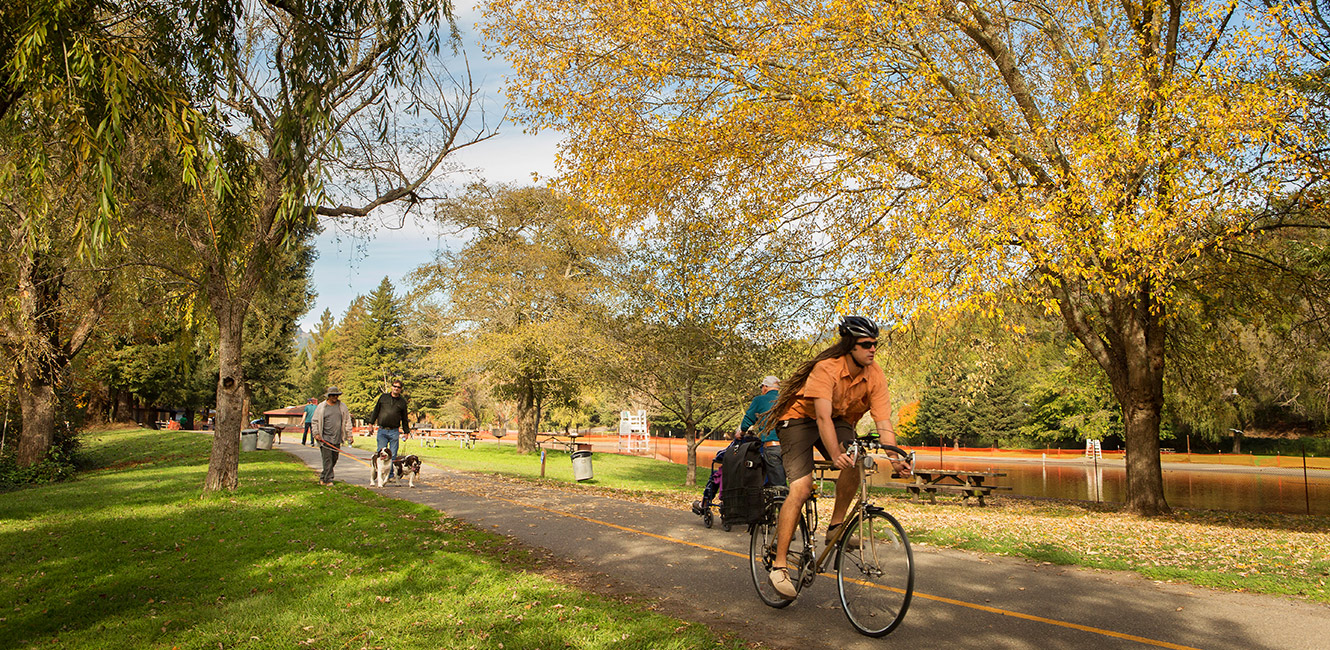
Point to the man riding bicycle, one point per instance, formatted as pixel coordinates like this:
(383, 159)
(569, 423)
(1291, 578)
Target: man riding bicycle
(819, 408)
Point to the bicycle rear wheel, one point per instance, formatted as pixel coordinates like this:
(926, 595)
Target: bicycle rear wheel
(762, 550)
(876, 580)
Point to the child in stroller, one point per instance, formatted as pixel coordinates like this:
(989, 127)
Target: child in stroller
(703, 507)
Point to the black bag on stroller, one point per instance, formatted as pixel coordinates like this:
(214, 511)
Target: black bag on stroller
(702, 507)
(742, 474)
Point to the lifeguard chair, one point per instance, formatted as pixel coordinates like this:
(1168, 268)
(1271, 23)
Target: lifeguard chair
(634, 433)
(1093, 450)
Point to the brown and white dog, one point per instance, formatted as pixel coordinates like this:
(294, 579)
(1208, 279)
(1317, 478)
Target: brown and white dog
(408, 466)
(378, 467)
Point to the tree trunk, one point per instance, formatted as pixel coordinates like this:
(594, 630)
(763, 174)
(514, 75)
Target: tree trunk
(691, 442)
(1237, 442)
(36, 398)
(224, 461)
(526, 420)
(99, 405)
(1126, 337)
(1145, 478)
(47, 335)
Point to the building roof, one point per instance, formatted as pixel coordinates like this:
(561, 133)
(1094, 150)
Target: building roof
(289, 410)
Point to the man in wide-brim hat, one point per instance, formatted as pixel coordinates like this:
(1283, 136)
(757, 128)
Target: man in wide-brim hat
(331, 425)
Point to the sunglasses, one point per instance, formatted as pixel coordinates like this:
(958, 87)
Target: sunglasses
(867, 345)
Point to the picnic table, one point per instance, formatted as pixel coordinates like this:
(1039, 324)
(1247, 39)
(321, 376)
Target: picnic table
(569, 445)
(968, 483)
(465, 438)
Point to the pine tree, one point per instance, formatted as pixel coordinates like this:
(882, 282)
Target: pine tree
(380, 352)
(318, 363)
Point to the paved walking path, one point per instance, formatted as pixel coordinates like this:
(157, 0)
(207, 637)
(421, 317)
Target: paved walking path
(962, 600)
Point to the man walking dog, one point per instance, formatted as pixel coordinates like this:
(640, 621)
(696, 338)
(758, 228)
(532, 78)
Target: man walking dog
(391, 419)
(331, 424)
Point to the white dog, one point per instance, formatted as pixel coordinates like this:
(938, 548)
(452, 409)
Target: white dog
(379, 464)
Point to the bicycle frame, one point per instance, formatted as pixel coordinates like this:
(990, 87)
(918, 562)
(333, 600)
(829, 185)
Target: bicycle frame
(858, 451)
(880, 559)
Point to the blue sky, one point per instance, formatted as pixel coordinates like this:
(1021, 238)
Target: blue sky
(349, 265)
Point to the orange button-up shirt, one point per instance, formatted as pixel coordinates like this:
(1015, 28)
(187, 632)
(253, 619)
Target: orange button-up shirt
(850, 396)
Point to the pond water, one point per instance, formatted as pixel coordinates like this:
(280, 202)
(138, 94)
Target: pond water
(1221, 490)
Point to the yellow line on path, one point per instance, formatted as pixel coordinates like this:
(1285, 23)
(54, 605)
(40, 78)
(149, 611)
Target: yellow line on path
(940, 599)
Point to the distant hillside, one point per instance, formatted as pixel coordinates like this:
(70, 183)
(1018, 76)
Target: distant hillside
(303, 339)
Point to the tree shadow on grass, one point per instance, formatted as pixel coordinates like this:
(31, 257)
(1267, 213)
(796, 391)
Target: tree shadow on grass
(135, 558)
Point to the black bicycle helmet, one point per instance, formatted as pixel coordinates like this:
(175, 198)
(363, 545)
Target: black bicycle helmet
(858, 327)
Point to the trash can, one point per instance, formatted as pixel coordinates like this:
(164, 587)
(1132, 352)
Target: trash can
(265, 437)
(582, 465)
(249, 440)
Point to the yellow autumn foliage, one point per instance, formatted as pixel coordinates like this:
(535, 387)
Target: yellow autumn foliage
(940, 155)
(966, 145)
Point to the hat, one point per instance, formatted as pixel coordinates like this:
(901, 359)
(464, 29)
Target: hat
(771, 380)
(333, 390)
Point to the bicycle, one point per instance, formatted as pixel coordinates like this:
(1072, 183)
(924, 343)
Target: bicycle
(875, 581)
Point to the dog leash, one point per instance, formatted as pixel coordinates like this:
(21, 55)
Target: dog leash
(339, 450)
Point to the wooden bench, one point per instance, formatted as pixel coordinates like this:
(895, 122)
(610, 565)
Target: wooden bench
(965, 483)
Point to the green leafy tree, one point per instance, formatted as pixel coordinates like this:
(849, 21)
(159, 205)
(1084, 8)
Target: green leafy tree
(315, 368)
(943, 412)
(698, 326)
(309, 89)
(77, 79)
(516, 298)
(379, 353)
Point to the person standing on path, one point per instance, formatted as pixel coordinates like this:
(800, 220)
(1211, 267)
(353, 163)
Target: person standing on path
(309, 418)
(770, 441)
(331, 423)
(391, 418)
(819, 408)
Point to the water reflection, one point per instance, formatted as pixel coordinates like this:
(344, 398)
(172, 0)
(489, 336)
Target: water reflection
(1253, 492)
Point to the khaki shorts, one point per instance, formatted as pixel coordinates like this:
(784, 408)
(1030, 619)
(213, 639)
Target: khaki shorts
(797, 440)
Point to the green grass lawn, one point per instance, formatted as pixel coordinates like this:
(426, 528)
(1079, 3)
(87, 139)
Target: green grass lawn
(130, 555)
(1261, 553)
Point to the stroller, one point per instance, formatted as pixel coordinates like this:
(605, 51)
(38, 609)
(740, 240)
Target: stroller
(703, 506)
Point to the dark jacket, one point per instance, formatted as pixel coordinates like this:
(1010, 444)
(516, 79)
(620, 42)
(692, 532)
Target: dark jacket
(390, 413)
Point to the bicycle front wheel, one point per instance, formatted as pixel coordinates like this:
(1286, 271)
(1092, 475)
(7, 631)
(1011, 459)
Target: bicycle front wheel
(876, 580)
(762, 550)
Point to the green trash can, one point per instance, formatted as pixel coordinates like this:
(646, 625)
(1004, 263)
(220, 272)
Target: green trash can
(249, 440)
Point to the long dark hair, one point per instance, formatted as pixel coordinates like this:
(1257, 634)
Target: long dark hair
(789, 391)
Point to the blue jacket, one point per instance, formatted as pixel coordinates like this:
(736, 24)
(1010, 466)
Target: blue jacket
(760, 405)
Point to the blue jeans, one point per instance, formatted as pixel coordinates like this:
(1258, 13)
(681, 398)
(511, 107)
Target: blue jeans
(388, 438)
(307, 435)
